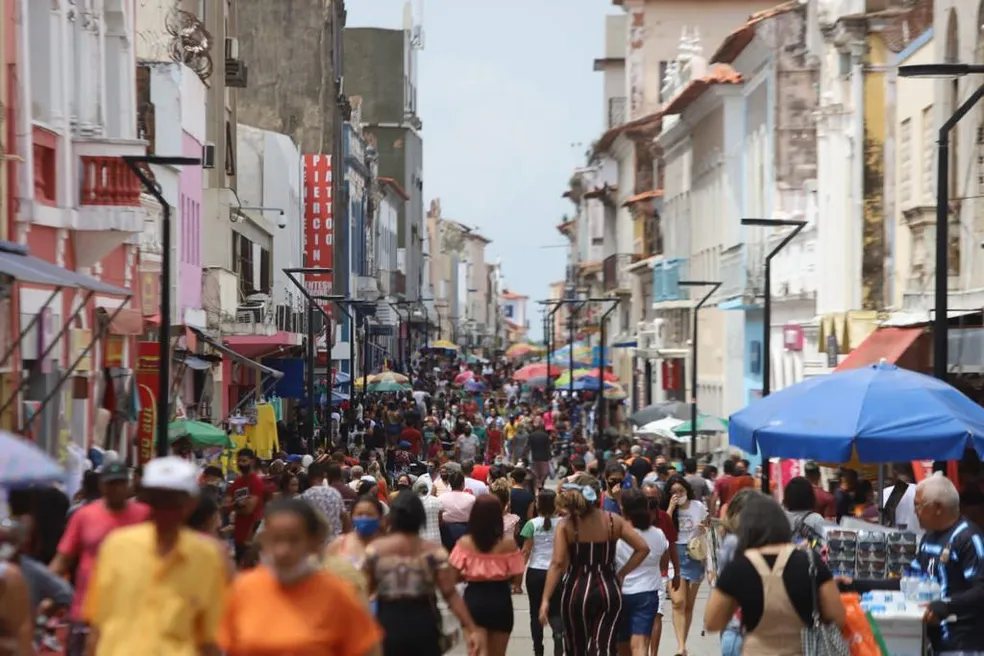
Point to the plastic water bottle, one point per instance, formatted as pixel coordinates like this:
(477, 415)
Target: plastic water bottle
(927, 591)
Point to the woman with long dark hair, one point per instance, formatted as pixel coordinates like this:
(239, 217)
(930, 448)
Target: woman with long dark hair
(584, 561)
(405, 572)
(489, 561)
(538, 534)
(690, 519)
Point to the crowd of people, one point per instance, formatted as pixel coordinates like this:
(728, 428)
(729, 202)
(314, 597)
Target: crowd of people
(421, 515)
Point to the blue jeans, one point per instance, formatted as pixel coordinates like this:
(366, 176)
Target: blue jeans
(732, 641)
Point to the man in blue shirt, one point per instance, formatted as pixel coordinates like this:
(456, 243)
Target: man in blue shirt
(951, 552)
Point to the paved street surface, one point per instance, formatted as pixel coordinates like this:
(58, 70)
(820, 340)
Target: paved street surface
(521, 644)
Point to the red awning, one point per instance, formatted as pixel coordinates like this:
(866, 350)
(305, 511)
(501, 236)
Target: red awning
(126, 322)
(887, 344)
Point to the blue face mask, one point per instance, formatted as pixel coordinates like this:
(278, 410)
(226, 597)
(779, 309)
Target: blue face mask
(365, 527)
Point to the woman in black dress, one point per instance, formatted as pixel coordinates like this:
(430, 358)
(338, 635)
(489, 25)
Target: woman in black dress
(584, 548)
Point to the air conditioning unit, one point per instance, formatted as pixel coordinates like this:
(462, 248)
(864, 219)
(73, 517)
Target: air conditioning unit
(231, 47)
(651, 334)
(208, 156)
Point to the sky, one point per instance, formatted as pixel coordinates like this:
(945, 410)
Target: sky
(509, 103)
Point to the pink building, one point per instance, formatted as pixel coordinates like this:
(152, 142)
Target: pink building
(190, 229)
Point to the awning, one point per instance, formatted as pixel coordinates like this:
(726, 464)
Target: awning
(125, 322)
(236, 357)
(625, 341)
(16, 263)
(192, 362)
(887, 344)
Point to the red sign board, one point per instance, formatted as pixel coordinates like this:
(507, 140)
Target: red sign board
(148, 364)
(792, 337)
(318, 222)
(672, 374)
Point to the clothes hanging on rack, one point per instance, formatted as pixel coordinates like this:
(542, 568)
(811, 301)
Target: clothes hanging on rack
(262, 437)
(278, 407)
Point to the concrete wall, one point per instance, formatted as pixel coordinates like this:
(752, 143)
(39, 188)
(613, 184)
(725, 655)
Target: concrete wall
(285, 46)
(374, 70)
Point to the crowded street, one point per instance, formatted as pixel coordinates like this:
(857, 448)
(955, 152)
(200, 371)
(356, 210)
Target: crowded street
(664, 337)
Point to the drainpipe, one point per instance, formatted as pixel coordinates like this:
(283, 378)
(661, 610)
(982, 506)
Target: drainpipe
(25, 131)
(857, 174)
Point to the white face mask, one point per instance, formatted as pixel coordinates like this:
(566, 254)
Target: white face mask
(7, 552)
(302, 570)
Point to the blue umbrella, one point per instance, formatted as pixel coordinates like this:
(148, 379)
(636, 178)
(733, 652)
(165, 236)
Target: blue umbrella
(338, 397)
(885, 413)
(23, 464)
(342, 378)
(472, 385)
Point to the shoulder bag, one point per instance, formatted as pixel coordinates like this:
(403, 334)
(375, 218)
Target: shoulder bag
(820, 639)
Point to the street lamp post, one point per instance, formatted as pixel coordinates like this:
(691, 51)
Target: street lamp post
(940, 344)
(164, 338)
(554, 305)
(796, 226)
(601, 363)
(693, 358)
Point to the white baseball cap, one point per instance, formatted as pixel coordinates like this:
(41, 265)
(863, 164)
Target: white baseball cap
(171, 473)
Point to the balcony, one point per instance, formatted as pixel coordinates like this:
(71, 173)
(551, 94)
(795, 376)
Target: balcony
(618, 109)
(613, 272)
(666, 281)
(111, 209)
(743, 273)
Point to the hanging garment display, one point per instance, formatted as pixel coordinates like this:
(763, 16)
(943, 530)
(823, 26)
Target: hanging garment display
(262, 437)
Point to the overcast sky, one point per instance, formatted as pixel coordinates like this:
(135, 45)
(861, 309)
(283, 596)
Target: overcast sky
(509, 103)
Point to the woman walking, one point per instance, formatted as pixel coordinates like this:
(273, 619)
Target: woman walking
(289, 605)
(584, 549)
(770, 582)
(538, 539)
(404, 573)
(489, 561)
(367, 517)
(690, 518)
(731, 635)
(640, 588)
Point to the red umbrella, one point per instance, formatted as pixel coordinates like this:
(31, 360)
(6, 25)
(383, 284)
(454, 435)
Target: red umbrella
(464, 376)
(538, 370)
(595, 373)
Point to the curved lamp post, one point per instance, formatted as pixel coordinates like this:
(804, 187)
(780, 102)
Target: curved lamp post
(693, 358)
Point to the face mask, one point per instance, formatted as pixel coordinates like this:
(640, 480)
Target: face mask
(302, 570)
(7, 552)
(403, 486)
(365, 526)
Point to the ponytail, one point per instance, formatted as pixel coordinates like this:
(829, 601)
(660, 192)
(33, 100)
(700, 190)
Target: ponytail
(546, 524)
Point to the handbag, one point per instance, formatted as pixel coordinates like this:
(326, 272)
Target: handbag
(445, 641)
(820, 639)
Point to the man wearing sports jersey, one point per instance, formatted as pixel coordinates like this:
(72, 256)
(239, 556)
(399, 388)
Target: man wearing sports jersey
(951, 552)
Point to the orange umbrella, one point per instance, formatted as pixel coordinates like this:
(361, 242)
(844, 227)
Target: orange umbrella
(537, 370)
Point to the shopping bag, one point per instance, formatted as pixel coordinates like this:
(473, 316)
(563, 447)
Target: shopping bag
(857, 630)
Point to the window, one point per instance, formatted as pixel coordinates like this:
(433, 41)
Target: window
(928, 155)
(663, 66)
(905, 162)
(265, 271)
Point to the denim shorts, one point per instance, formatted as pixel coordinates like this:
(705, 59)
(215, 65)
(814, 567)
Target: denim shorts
(691, 571)
(638, 614)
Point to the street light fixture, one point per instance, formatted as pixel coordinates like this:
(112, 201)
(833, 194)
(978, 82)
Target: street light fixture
(693, 358)
(796, 226)
(164, 336)
(940, 344)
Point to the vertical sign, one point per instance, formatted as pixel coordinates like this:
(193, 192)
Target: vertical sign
(148, 362)
(318, 224)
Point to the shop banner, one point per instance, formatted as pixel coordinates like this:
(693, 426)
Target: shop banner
(113, 351)
(148, 364)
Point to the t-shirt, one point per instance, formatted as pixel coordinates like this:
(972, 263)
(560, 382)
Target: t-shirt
(248, 485)
(826, 507)
(493, 446)
(722, 489)
(688, 521)
(520, 501)
(413, 436)
(699, 485)
(639, 467)
(665, 523)
(319, 615)
(539, 446)
(481, 473)
(86, 530)
(543, 540)
(740, 581)
(456, 506)
(468, 446)
(647, 576)
(349, 495)
(961, 576)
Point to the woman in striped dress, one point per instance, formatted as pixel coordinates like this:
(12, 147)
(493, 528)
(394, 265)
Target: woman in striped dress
(584, 549)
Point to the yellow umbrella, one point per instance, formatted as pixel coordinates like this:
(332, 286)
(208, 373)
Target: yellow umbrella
(566, 377)
(388, 377)
(614, 392)
(443, 345)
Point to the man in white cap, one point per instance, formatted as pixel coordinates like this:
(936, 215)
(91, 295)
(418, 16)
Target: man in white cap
(158, 587)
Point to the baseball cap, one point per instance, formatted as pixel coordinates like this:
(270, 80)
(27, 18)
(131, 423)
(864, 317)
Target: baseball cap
(811, 466)
(113, 472)
(171, 473)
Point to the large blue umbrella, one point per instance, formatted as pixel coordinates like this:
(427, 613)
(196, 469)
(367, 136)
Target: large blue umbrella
(472, 385)
(342, 378)
(886, 413)
(23, 464)
(588, 384)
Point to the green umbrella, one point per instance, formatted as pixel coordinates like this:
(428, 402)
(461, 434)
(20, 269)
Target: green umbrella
(388, 387)
(201, 434)
(705, 424)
